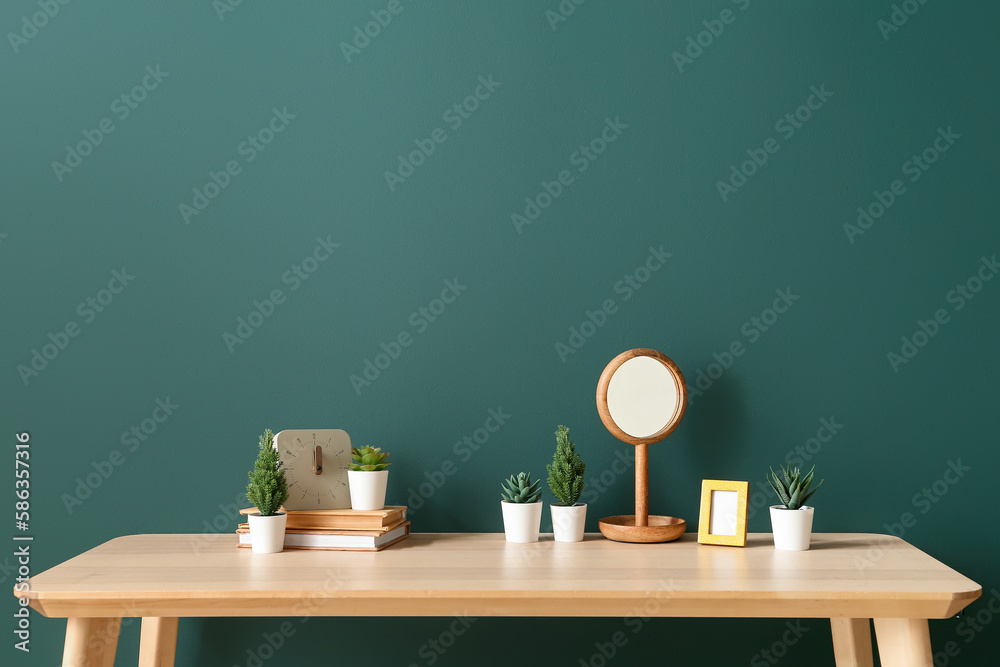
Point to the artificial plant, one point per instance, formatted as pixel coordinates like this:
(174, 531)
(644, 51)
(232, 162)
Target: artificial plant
(792, 487)
(267, 489)
(520, 489)
(369, 459)
(566, 470)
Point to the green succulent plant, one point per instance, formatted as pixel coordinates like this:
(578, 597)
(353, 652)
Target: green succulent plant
(792, 488)
(369, 458)
(566, 470)
(520, 489)
(267, 489)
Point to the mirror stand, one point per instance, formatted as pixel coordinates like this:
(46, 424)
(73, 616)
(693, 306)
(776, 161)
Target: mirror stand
(641, 527)
(641, 486)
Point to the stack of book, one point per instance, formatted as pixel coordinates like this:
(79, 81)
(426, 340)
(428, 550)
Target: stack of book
(339, 530)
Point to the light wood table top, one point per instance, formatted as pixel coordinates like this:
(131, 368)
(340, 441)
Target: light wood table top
(443, 574)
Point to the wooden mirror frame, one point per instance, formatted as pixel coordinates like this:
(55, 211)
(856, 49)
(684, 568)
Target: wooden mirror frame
(605, 382)
(641, 527)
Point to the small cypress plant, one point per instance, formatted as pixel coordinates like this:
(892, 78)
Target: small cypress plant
(267, 489)
(566, 470)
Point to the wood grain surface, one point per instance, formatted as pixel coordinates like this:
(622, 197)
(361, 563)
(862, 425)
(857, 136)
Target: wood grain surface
(442, 574)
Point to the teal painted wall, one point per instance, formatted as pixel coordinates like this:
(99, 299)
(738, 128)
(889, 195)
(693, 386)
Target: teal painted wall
(880, 97)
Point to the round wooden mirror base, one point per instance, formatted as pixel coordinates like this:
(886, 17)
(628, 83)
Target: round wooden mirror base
(658, 528)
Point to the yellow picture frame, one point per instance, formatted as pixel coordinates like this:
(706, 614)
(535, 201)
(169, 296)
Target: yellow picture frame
(735, 517)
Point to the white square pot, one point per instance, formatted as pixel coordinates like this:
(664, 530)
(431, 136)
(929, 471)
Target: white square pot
(367, 488)
(267, 533)
(568, 522)
(791, 529)
(521, 521)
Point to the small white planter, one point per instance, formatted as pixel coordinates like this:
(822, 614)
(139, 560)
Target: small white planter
(367, 488)
(792, 529)
(521, 521)
(568, 522)
(267, 533)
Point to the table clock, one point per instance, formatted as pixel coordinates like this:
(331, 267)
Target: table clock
(315, 462)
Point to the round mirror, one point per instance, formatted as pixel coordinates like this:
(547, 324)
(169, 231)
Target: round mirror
(641, 396)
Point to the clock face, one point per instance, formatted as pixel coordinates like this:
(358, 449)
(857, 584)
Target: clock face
(308, 489)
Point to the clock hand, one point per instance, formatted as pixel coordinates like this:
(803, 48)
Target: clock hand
(317, 460)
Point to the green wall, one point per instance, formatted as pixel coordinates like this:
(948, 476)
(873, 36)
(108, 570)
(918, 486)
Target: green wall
(342, 117)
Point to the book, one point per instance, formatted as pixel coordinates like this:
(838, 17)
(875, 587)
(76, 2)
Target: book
(341, 519)
(244, 527)
(356, 540)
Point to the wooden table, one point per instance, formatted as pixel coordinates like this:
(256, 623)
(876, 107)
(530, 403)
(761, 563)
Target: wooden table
(849, 578)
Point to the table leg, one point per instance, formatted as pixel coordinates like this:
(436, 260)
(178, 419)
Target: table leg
(852, 642)
(904, 642)
(158, 643)
(91, 642)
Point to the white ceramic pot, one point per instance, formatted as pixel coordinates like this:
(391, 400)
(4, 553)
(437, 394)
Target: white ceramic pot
(521, 521)
(568, 522)
(267, 533)
(791, 529)
(367, 488)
